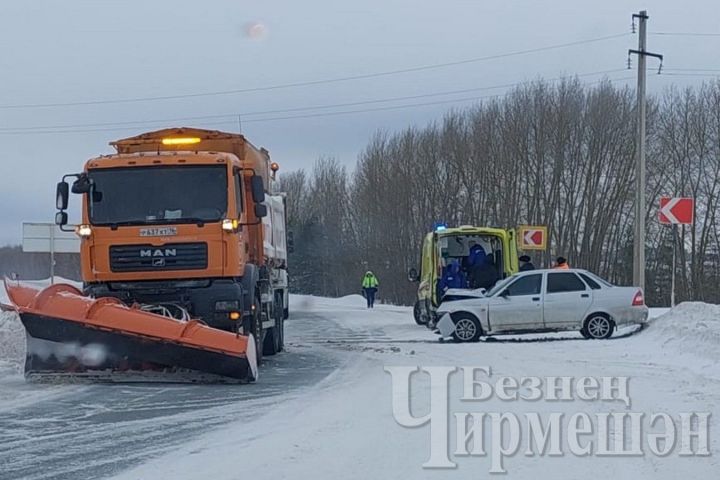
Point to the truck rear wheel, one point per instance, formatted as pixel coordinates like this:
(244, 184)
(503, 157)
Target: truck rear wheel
(280, 321)
(273, 342)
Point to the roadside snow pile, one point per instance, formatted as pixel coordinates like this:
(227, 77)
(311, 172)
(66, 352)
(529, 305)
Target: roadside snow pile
(12, 344)
(12, 340)
(691, 327)
(309, 302)
(351, 301)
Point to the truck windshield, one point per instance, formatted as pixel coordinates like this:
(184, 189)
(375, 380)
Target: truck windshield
(161, 194)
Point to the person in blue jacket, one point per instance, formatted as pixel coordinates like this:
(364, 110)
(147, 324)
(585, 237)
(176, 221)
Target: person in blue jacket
(474, 258)
(452, 277)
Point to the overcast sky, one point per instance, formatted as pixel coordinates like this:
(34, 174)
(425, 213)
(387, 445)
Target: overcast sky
(70, 51)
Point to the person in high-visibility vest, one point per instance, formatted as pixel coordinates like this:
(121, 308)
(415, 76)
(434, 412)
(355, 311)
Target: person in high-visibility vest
(561, 264)
(370, 286)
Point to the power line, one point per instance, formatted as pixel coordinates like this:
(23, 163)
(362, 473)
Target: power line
(686, 34)
(291, 117)
(316, 82)
(692, 69)
(690, 74)
(299, 109)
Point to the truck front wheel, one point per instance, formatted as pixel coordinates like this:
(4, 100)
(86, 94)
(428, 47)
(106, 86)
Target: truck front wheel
(253, 324)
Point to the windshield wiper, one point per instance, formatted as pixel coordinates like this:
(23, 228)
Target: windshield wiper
(125, 223)
(200, 222)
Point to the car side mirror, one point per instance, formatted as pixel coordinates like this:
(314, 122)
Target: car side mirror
(257, 187)
(413, 275)
(61, 219)
(61, 195)
(483, 291)
(260, 210)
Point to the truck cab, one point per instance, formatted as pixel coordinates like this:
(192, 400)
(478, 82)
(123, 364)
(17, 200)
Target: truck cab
(186, 222)
(462, 246)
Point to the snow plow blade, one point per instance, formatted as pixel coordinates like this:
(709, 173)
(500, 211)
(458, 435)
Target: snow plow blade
(69, 334)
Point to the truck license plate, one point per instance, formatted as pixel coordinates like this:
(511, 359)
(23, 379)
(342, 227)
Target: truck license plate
(158, 232)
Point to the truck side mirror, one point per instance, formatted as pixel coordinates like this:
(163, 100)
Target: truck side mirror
(61, 195)
(413, 275)
(260, 210)
(257, 188)
(81, 185)
(61, 219)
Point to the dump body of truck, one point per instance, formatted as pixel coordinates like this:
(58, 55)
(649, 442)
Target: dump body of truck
(186, 224)
(445, 244)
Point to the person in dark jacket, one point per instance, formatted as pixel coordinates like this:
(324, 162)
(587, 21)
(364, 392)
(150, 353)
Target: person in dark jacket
(484, 275)
(452, 277)
(526, 264)
(475, 257)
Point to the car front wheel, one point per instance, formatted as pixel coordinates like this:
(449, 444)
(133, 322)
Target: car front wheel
(467, 328)
(598, 326)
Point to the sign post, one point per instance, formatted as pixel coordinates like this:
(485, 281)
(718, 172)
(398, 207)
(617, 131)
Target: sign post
(48, 238)
(672, 269)
(675, 211)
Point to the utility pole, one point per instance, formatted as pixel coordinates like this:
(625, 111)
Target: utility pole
(640, 207)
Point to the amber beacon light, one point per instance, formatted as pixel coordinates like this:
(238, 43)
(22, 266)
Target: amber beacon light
(180, 141)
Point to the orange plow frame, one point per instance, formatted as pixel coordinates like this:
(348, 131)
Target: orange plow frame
(60, 313)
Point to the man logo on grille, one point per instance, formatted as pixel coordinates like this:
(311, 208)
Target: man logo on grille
(158, 262)
(158, 252)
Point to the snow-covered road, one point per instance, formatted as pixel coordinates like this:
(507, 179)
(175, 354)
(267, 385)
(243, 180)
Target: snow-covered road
(93, 431)
(324, 408)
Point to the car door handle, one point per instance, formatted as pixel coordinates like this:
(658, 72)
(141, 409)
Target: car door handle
(585, 295)
(535, 299)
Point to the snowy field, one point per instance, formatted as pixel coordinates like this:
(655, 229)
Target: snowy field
(340, 424)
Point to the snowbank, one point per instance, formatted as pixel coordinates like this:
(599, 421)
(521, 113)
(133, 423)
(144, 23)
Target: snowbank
(12, 344)
(12, 333)
(691, 327)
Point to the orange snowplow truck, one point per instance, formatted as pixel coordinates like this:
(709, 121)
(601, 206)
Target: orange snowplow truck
(186, 223)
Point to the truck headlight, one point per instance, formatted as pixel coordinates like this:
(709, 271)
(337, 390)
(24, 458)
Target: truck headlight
(83, 231)
(229, 225)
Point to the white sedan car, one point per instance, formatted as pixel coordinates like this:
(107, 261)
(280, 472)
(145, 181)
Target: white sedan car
(542, 301)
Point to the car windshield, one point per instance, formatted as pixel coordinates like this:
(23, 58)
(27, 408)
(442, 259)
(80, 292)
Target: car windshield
(158, 195)
(499, 286)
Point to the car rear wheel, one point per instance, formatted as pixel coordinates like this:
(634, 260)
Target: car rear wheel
(467, 328)
(598, 326)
